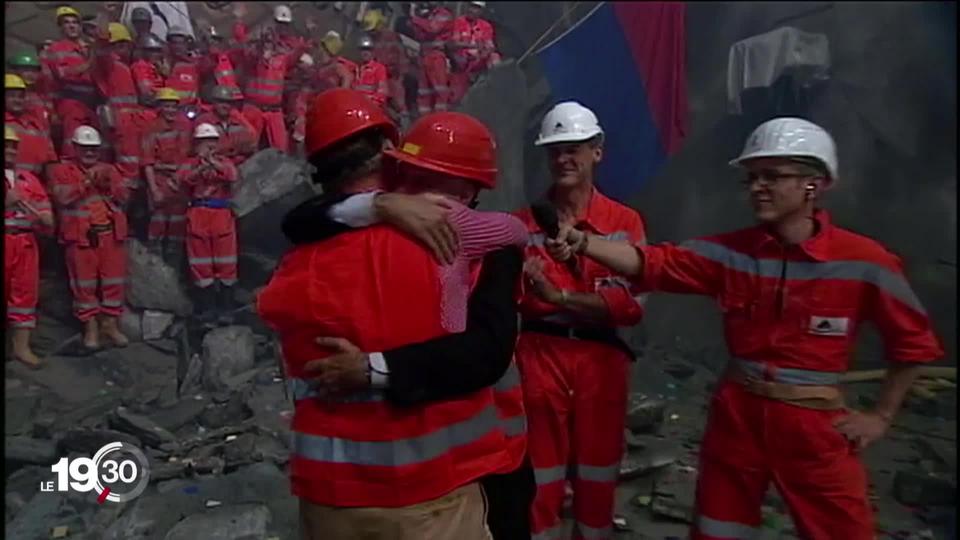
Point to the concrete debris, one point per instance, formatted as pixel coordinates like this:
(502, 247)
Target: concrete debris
(18, 413)
(223, 523)
(231, 412)
(21, 450)
(61, 531)
(644, 415)
(140, 426)
(924, 489)
(241, 451)
(673, 494)
(153, 284)
(227, 352)
(620, 524)
(155, 324)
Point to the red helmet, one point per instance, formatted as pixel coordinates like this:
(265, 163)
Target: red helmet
(451, 143)
(339, 113)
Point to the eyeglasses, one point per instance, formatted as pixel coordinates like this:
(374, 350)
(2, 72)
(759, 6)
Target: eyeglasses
(771, 177)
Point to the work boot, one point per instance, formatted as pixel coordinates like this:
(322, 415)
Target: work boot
(112, 331)
(91, 335)
(21, 348)
(225, 305)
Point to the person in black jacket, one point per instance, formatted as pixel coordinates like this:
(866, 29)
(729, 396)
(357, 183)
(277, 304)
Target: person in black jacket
(444, 367)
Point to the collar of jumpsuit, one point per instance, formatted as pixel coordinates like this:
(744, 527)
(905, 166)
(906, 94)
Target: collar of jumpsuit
(599, 213)
(817, 247)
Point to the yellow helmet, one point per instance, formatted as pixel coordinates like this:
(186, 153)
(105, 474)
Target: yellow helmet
(373, 19)
(13, 82)
(67, 10)
(167, 94)
(332, 42)
(118, 32)
(10, 134)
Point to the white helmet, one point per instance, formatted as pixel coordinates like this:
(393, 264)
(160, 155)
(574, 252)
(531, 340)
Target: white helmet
(177, 31)
(568, 122)
(86, 136)
(479, 4)
(282, 14)
(791, 137)
(306, 60)
(206, 131)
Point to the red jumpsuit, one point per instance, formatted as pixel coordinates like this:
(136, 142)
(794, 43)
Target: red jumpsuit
(219, 68)
(264, 95)
(791, 315)
(36, 148)
(21, 254)
(93, 228)
(471, 62)
(77, 95)
(236, 135)
(211, 230)
(39, 100)
(115, 80)
(433, 78)
(165, 147)
(148, 79)
(372, 81)
(575, 389)
(388, 49)
(185, 79)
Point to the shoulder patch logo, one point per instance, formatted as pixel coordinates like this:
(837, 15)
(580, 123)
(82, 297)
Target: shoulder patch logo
(829, 326)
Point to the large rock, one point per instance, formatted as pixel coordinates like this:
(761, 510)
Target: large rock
(247, 521)
(153, 284)
(155, 324)
(28, 450)
(267, 176)
(227, 352)
(141, 427)
(499, 100)
(645, 415)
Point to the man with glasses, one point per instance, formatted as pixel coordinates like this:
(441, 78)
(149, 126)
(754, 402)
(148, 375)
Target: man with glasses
(793, 291)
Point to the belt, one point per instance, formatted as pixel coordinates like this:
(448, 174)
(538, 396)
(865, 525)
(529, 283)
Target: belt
(809, 396)
(210, 203)
(607, 336)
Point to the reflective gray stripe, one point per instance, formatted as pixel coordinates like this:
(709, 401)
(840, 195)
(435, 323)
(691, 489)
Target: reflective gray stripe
(75, 213)
(203, 282)
(424, 92)
(83, 283)
(167, 135)
(365, 87)
(399, 452)
(264, 92)
(113, 281)
(550, 534)
(228, 282)
(788, 375)
(21, 311)
(128, 159)
(726, 529)
(592, 533)
(32, 323)
(550, 475)
(122, 100)
(440, 88)
(159, 217)
(265, 82)
(515, 425)
(24, 223)
(86, 305)
(303, 389)
(598, 474)
(79, 88)
(509, 380)
(200, 260)
(30, 131)
(111, 303)
(32, 167)
(235, 129)
(184, 94)
(225, 260)
(176, 218)
(90, 199)
(224, 73)
(890, 282)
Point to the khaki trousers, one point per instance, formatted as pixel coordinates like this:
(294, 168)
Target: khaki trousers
(458, 515)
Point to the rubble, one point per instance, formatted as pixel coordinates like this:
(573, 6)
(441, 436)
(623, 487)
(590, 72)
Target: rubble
(223, 523)
(267, 176)
(674, 492)
(18, 413)
(644, 415)
(141, 427)
(88, 441)
(227, 352)
(180, 414)
(654, 454)
(924, 489)
(153, 284)
(231, 412)
(26, 450)
(155, 324)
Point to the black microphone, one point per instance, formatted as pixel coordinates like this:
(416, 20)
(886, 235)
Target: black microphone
(545, 214)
